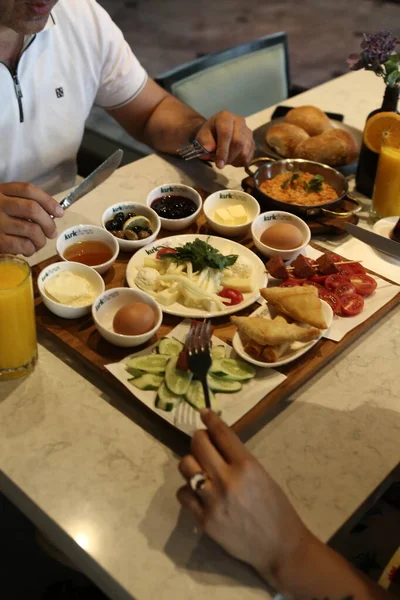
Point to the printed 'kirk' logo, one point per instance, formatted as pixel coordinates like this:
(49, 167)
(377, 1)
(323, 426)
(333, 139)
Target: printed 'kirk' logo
(60, 92)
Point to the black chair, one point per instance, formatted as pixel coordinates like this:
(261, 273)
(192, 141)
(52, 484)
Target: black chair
(244, 79)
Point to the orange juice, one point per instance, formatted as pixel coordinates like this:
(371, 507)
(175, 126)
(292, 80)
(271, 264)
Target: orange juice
(18, 350)
(386, 198)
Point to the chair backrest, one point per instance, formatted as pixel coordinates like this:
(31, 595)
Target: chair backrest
(243, 79)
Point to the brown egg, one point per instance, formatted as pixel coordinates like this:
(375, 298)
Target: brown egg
(282, 236)
(134, 319)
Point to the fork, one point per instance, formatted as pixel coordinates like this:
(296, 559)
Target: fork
(199, 354)
(192, 150)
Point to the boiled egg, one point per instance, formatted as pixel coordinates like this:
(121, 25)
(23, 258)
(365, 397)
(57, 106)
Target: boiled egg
(282, 236)
(134, 319)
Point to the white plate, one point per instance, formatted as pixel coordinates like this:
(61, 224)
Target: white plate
(225, 247)
(385, 226)
(298, 348)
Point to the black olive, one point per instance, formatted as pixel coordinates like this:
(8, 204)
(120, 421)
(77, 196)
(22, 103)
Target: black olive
(120, 217)
(149, 231)
(112, 225)
(137, 229)
(130, 215)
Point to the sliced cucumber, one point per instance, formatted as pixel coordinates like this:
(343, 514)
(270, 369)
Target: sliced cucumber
(166, 400)
(148, 381)
(222, 384)
(177, 381)
(195, 397)
(170, 346)
(236, 369)
(151, 363)
(218, 352)
(134, 372)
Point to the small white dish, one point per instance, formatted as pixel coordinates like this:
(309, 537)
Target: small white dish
(385, 226)
(298, 348)
(63, 310)
(227, 199)
(266, 220)
(109, 302)
(176, 189)
(83, 233)
(140, 210)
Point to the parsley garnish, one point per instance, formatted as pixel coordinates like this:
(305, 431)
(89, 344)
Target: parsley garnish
(315, 184)
(290, 180)
(201, 255)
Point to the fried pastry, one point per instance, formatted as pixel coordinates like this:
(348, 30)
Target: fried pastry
(299, 302)
(273, 332)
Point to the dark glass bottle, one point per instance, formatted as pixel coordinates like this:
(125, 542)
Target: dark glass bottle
(368, 160)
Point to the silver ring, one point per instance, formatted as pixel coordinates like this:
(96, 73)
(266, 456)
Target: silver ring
(197, 482)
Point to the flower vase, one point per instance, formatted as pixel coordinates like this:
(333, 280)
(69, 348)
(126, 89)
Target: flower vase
(368, 160)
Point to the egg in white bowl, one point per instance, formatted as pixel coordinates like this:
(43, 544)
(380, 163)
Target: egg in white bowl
(278, 233)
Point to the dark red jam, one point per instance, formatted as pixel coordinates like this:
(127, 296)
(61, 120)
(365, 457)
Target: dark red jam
(174, 207)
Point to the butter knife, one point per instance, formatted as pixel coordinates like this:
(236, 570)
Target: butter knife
(93, 180)
(374, 239)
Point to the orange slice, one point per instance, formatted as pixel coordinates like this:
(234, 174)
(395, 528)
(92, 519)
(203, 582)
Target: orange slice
(382, 127)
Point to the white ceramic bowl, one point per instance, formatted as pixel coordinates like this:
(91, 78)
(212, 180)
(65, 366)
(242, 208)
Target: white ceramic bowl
(176, 189)
(225, 199)
(109, 302)
(82, 233)
(138, 209)
(63, 310)
(265, 220)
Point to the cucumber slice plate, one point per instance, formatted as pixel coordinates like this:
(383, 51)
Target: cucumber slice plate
(195, 397)
(170, 346)
(148, 381)
(218, 352)
(177, 381)
(223, 384)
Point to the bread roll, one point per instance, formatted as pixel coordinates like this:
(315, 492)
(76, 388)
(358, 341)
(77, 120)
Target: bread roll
(333, 147)
(310, 118)
(284, 138)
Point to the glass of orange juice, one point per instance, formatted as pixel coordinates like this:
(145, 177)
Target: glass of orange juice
(386, 197)
(18, 346)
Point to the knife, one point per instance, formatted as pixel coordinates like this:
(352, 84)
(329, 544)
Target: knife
(374, 239)
(93, 180)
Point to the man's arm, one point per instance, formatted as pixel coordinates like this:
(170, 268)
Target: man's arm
(166, 124)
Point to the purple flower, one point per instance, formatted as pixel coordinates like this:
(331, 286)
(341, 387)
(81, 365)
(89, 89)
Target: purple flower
(379, 46)
(377, 49)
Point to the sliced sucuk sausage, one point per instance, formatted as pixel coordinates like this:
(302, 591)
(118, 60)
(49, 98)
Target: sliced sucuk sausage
(302, 268)
(276, 267)
(326, 265)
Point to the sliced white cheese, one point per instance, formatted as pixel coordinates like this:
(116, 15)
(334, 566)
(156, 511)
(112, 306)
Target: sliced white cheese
(70, 289)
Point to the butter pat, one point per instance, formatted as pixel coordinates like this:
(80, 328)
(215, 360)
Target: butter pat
(70, 289)
(232, 215)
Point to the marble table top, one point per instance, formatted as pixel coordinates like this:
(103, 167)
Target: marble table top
(95, 474)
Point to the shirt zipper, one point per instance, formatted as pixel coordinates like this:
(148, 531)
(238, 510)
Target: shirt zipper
(17, 86)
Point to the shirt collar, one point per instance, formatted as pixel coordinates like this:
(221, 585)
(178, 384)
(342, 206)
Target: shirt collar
(50, 23)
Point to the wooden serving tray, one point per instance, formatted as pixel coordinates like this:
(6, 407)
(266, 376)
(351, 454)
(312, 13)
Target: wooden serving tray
(80, 338)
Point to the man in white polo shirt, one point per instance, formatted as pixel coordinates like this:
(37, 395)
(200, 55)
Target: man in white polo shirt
(57, 59)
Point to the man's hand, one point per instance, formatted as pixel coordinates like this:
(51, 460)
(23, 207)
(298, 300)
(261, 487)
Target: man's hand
(240, 506)
(228, 140)
(25, 218)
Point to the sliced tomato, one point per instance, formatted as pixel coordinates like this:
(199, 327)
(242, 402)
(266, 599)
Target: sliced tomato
(345, 271)
(314, 283)
(331, 299)
(352, 304)
(364, 284)
(319, 279)
(231, 294)
(292, 282)
(357, 269)
(335, 257)
(165, 250)
(333, 281)
(345, 288)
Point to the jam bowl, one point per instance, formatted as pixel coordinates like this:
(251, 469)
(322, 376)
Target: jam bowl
(176, 204)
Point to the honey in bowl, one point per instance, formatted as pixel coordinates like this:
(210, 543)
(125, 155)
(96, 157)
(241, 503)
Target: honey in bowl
(89, 252)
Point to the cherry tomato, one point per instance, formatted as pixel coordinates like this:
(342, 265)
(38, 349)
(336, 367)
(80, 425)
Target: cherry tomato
(319, 279)
(333, 281)
(335, 257)
(165, 251)
(331, 299)
(345, 271)
(231, 294)
(364, 284)
(292, 282)
(345, 288)
(352, 304)
(315, 284)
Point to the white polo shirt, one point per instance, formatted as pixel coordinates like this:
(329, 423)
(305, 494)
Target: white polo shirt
(78, 60)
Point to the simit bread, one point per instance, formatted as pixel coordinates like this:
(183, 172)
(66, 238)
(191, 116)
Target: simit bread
(284, 138)
(310, 118)
(333, 147)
